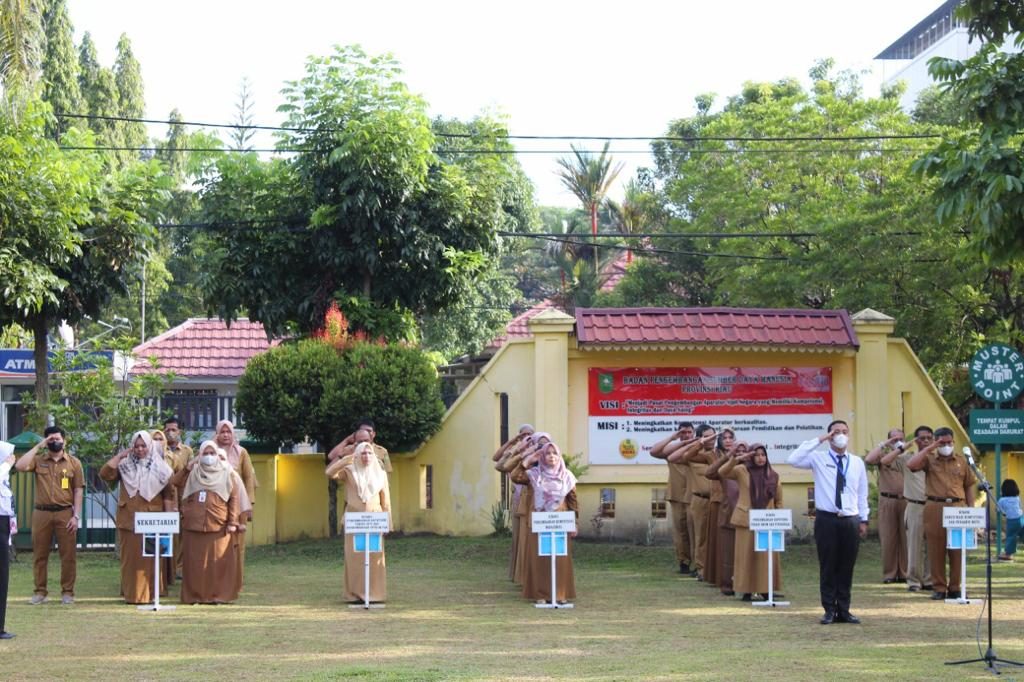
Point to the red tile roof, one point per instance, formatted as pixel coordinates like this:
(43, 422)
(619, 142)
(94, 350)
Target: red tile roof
(202, 347)
(715, 326)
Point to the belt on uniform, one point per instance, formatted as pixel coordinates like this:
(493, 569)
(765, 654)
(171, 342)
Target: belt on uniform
(892, 495)
(945, 499)
(834, 515)
(53, 507)
(706, 497)
(915, 501)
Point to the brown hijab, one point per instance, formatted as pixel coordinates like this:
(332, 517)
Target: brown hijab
(764, 482)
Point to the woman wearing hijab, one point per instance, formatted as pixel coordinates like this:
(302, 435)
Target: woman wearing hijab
(509, 449)
(144, 480)
(524, 504)
(210, 525)
(713, 565)
(758, 489)
(238, 458)
(554, 489)
(160, 449)
(366, 490)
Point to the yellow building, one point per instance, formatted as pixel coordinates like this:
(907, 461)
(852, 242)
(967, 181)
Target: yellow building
(823, 364)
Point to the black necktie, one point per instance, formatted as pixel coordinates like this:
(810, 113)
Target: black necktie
(840, 483)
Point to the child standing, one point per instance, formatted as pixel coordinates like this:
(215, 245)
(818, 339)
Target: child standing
(1009, 506)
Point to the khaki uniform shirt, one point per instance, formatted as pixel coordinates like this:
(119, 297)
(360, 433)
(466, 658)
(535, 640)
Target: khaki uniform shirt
(913, 481)
(382, 455)
(947, 476)
(182, 454)
(676, 483)
(890, 478)
(56, 480)
(701, 484)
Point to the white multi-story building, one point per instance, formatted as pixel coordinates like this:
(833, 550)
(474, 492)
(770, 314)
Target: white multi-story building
(940, 34)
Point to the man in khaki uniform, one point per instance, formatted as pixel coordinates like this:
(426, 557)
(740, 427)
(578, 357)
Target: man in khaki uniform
(348, 446)
(179, 456)
(949, 482)
(60, 481)
(676, 497)
(919, 575)
(892, 532)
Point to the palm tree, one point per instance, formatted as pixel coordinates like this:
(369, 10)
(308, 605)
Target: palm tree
(630, 215)
(21, 40)
(589, 177)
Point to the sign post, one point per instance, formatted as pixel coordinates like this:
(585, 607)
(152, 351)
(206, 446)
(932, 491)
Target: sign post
(159, 525)
(997, 375)
(960, 524)
(769, 527)
(551, 529)
(367, 529)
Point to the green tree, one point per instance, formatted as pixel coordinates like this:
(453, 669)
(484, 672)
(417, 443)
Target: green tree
(311, 388)
(21, 46)
(241, 135)
(60, 68)
(589, 178)
(131, 99)
(365, 216)
(841, 223)
(980, 168)
(70, 231)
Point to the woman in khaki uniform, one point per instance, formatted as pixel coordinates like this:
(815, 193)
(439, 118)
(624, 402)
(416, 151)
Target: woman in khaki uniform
(713, 569)
(508, 450)
(524, 506)
(145, 487)
(366, 490)
(554, 489)
(160, 449)
(758, 489)
(210, 527)
(239, 459)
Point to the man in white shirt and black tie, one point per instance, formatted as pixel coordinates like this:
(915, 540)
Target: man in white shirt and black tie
(841, 515)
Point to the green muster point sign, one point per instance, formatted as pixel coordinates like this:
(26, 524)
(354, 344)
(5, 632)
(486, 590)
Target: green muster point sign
(997, 373)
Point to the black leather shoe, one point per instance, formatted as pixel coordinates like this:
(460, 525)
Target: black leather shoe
(954, 594)
(926, 587)
(828, 618)
(889, 581)
(6, 635)
(693, 573)
(729, 593)
(847, 618)
(684, 568)
(746, 597)
(936, 596)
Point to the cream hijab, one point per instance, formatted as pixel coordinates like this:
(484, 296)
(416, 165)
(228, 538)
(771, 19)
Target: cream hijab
(369, 478)
(234, 450)
(215, 478)
(148, 476)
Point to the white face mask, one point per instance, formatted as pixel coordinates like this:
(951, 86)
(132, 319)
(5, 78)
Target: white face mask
(946, 450)
(208, 460)
(840, 440)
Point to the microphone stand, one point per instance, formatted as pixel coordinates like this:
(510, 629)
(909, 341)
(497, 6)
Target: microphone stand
(990, 659)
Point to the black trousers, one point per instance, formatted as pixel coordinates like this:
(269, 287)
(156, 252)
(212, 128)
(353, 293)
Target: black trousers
(5, 566)
(838, 540)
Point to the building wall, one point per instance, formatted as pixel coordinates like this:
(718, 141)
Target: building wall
(879, 386)
(465, 485)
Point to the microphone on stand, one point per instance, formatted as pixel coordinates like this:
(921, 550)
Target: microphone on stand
(983, 484)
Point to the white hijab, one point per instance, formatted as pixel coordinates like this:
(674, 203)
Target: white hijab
(369, 478)
(147, 476)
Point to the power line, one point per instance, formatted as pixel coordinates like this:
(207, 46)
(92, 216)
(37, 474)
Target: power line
(689, 235)
(506, 136)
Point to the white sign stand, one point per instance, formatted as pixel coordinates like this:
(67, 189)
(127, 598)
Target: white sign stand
(367, 524)
(772, 521)
(965, 520)
(555, 525)
(157, 524)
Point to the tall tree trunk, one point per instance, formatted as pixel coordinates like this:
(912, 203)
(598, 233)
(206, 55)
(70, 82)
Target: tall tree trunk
(332, 507)
(39, 354)
(593, 233)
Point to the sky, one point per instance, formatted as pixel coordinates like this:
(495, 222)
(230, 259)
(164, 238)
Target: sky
(557, 67)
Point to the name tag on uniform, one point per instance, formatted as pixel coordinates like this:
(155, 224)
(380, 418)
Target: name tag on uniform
(848, 502)
(65, 483)
(202, 496)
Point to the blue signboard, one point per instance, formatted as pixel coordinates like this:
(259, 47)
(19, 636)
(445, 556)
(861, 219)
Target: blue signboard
(359, 540)
(20, 363)
(545, 544)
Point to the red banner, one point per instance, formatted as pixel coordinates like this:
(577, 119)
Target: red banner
(701, 391)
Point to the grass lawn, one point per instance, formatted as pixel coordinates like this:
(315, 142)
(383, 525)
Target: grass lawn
(452, 614)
